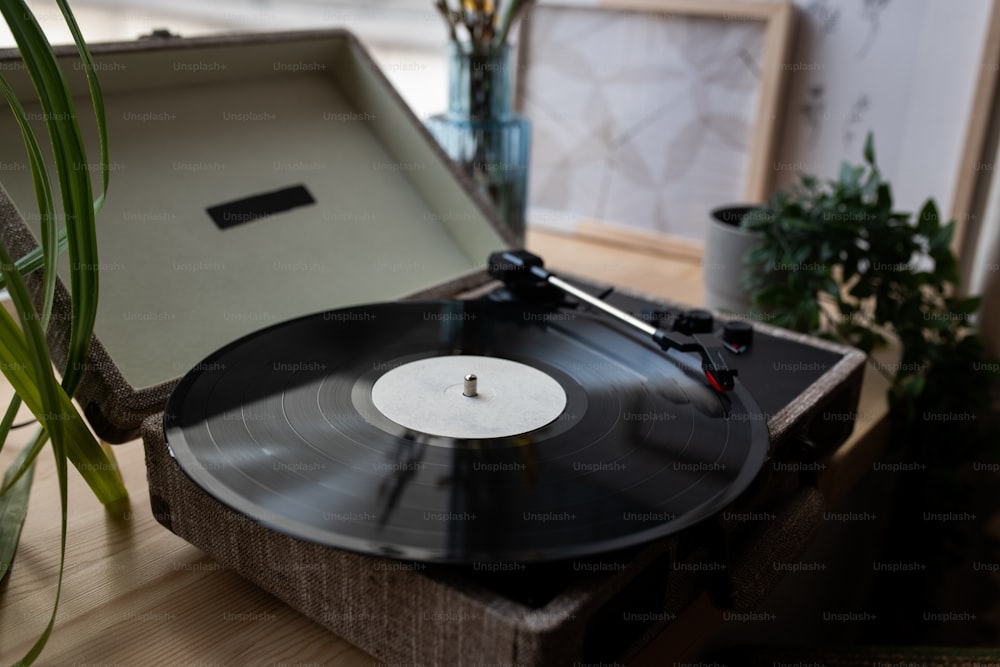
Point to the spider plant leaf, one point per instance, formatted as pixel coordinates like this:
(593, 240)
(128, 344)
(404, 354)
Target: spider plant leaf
(43, 639)
(8, 419)
(96, 98)
(35, 350)
(33, 260)
(43, 196)
(30, 452)
(13, 508)
(74, 182)
(36, 381)
(67, 144)
(30, 342)
(36, 384)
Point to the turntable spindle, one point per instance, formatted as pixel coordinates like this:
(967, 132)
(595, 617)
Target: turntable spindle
(470, 388)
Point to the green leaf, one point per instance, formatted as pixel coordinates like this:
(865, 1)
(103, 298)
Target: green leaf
(24, 353)
(791, 224)
(850, 176)
(35, 383)
(8, 419)
(757, 219)
(81, 446)
(43, 196)
(67, 145)
(869, 151)
(883, 200)
(915, 385)
(96, 99)
(74, 182)
(928, 220)
(34, 259)
(967, 306)
(801, 254)
(759, 255)
(31, 345)
(940, 241)
(13, 509)
(808, 315)
(871, 188)
(769, 295)
(826, 253)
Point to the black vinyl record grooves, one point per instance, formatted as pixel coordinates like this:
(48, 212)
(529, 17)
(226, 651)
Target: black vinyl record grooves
(281, 427)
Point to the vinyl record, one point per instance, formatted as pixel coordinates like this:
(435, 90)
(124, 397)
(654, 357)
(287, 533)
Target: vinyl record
(352, 429)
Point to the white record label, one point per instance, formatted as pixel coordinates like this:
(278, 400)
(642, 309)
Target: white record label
(428, 396)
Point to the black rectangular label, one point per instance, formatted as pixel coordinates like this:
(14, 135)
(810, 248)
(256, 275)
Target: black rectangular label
(259, 206)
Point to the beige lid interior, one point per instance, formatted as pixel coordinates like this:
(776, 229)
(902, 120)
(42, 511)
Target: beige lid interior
(214, 122)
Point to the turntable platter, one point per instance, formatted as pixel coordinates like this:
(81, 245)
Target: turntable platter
(594, 439)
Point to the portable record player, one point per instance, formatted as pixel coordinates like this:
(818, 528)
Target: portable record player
(280, 179)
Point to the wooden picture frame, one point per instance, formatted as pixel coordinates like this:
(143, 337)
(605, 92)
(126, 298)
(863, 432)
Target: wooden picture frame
(558, 91)
(978, 157)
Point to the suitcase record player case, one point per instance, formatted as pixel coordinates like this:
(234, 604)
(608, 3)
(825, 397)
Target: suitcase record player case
(209, 136)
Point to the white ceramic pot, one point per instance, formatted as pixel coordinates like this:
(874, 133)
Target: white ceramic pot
(726, 244)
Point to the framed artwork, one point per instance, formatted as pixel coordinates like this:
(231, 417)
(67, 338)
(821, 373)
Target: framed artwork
(648, 114)
(975, 177)
(976, 206)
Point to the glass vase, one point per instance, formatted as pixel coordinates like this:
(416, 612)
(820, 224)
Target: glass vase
(482, 134)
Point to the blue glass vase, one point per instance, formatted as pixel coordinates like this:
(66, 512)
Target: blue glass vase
(482, 134)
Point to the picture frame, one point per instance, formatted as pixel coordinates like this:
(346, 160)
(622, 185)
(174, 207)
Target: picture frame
(976, 179)
(639, 153)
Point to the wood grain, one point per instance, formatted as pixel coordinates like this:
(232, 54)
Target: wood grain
(136, 594)
(653, 270)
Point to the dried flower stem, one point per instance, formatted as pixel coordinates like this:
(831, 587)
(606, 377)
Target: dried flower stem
(513, 13)
(449, 18)
(479, 18)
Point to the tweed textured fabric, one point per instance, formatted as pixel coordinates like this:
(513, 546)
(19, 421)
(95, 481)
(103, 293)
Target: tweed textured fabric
(413, 613)
(399, 612)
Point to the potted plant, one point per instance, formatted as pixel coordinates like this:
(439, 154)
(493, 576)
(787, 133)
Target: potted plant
(31, 282)
(728, 241)
(835, 260)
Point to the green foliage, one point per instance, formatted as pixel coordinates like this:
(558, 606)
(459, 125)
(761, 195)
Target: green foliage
(837, 261)
(24, 352)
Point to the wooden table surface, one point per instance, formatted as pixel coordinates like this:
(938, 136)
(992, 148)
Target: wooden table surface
(135, 594)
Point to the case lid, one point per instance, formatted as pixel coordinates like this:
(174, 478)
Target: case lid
(208, 135)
